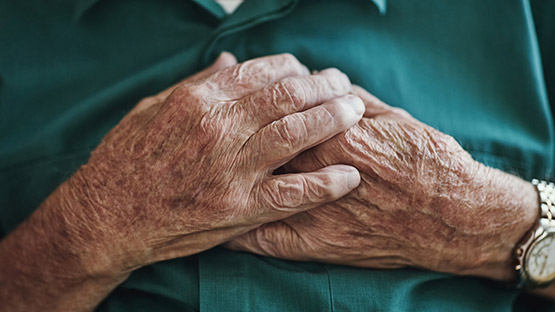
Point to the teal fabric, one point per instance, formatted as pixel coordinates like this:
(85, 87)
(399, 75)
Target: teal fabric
(480, 70)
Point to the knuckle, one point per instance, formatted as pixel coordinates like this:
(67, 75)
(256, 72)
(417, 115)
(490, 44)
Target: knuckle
(290, 91)
(326, 188)
(185, 105)
(342, 82)
(335, 73)
(187, 93)
(288, 56)
(329, 114)
(247, 74)
(268, 68)
(246, 69)
(332, 71)
(282, 195)
(339, 113)
(212, 127)
(357, 136)
(290, 132)
(290, 61)
(333, 84)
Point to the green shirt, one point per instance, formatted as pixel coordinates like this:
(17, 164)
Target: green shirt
(482, 71)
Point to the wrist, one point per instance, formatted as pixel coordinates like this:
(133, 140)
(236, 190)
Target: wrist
(97, 241)
(514, 207)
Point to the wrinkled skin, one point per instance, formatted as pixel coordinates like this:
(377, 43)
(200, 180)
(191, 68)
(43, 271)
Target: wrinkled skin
(423, 202)
(179, 176)
(185, 170)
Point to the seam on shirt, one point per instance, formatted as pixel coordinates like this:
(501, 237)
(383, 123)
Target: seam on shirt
(332, 306)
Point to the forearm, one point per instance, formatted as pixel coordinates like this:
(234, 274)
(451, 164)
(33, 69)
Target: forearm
(45, 267)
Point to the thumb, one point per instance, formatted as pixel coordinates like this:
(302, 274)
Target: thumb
(275, 239)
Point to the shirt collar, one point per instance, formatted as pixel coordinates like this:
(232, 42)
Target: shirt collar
(82, 6)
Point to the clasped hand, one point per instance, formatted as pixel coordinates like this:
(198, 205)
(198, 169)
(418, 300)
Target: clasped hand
(193, 167)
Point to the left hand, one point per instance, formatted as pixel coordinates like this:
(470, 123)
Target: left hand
(423, 202)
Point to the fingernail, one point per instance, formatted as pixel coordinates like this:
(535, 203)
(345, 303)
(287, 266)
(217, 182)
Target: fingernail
(353, 179)
(357, 104)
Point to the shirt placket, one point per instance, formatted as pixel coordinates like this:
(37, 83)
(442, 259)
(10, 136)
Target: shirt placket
(237, 281)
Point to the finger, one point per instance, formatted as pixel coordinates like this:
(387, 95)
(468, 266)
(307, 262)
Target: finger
(281, 196)
(375, 107)
(310, 160)
(225, 59)
(238, 81)
(345, 148)
(274, 239)
(291, 95)
(282, 140)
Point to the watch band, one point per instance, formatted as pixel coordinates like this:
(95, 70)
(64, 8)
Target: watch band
(546, 194)
(546, 190)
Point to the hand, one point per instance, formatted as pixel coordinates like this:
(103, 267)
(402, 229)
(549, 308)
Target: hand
(44, 266)
(423, 202)
(180, 175)
(184, 171)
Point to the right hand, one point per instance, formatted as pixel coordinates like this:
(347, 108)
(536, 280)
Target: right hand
(189, 171)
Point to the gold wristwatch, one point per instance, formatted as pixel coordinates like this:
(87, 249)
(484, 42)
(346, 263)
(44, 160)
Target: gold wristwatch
(535, 254)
